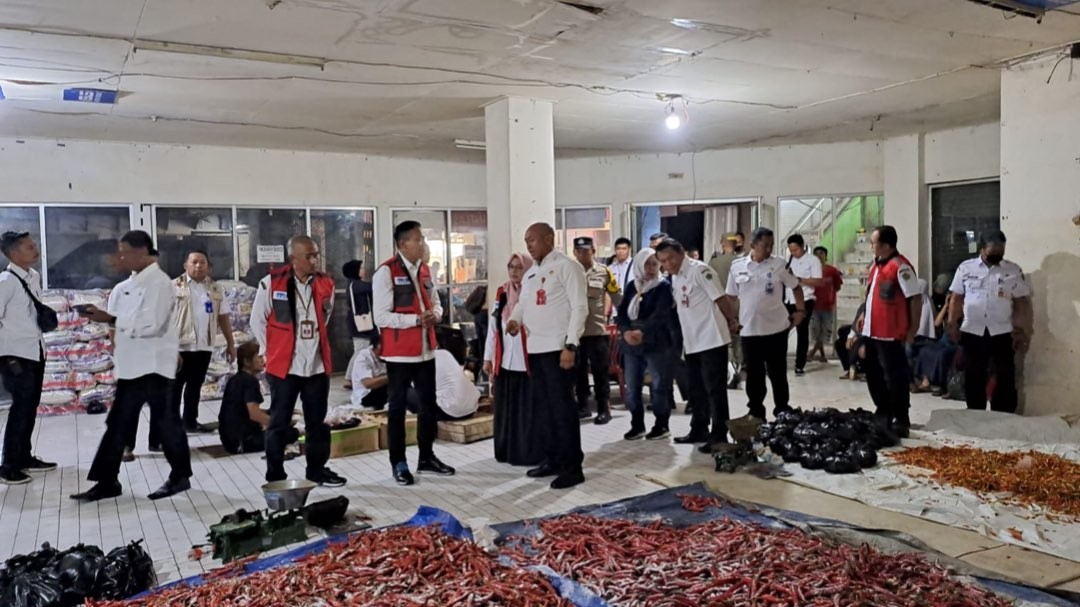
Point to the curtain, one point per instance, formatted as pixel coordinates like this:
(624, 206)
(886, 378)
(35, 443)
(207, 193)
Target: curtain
(719, 221)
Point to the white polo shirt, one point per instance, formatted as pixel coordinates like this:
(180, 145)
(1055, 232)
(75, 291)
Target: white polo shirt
(759, 285)
(807, 266)
(553, 304)
(147, 340)
(696, 288)
(366, 366)
(988, 293)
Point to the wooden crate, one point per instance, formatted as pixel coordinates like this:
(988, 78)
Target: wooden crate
(382, 418)
(476, 428)
(353, 441)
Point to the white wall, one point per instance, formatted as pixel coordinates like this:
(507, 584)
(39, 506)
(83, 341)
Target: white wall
(962, 154)
(1040, 194)
(100, 172)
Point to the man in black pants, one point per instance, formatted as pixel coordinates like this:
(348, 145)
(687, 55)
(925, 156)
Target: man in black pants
(144, 361)
(406, 309)
(994, 297)
(595, 353)
(22, 361)
(758, 280)
(807, 268)
(707, 320)
(551, 310)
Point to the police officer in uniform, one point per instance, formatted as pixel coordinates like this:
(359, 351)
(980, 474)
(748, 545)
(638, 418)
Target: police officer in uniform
(595, 351)
(994, 297)
(890, 321)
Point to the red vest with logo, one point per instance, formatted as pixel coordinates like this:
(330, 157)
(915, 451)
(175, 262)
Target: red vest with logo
(281, 325)
(409, 341)
(889, 310)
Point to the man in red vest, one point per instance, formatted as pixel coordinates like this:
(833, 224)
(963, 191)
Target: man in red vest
(893, 308)
(289, 320)
(406, 308)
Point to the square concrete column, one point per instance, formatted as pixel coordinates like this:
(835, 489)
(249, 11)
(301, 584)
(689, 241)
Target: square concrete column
(520, 176)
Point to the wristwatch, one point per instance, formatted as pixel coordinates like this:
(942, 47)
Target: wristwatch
(571, 347)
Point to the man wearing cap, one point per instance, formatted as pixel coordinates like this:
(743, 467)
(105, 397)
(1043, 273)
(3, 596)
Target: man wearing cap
(145, 361)
(22, 358)
(595, 342)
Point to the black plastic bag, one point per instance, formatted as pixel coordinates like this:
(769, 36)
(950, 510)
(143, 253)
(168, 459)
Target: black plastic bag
(128, 570)
(841, 464)
(326, 513)
(865, 455)
(34, 589)
(39, 560)
(812, 460)
(77, 569)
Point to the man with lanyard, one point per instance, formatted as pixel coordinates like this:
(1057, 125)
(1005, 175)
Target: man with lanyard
(22, 358)
(551, 311)
(890, 322)
(289, 319)
(199, 318)
(707, 320)
(757, 281)
(807, 268)
(406, 309)
(603, 293)
(144, 361)
(994, 298)
(622, 264)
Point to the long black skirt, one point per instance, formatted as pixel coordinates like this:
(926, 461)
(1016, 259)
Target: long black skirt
(518, 426)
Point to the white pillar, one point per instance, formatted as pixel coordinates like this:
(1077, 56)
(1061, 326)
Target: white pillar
(520, 142)
(907, 207)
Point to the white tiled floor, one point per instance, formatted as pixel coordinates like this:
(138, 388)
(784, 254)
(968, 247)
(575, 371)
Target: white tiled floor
(41, 511)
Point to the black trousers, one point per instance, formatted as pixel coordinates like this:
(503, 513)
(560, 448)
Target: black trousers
(802, 333)
(766, 355)
(188, 386)
(22, 379)
(552, 390)
(420, 376)
(887, 377)
(131, 395)
(313, 393)
(980, 351)
(255, 442)
(707, 374)
(376, 399)
(594, 352)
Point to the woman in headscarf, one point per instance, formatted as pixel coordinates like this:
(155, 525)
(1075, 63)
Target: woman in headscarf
(649, 327)
(518, 438)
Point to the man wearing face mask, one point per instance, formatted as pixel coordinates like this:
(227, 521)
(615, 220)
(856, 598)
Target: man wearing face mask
(994, 298)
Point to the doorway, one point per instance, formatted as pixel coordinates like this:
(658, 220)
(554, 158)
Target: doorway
(699, 225)
(959, 214)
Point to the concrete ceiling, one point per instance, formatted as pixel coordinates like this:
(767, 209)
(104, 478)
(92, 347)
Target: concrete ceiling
(410, 76)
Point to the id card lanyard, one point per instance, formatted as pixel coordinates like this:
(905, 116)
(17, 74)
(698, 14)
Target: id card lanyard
(307, 326)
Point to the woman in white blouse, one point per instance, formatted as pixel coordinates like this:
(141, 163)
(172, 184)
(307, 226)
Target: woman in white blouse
(505, 361)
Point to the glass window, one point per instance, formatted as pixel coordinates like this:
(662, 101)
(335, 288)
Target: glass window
(433, 225)
(261, 239)
(80, 243)
(468, 246)
(594, 222)
(22, 219)
(183, 230)
(560, 238)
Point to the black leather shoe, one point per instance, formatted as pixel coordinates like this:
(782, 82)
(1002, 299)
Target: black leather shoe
(565, 481)
(900, 427)
(583, 414)
(170, 488)
(706, 448)
(37, 464)
(100, 491)
(691, 439)
(542, 470)
(402, 475)
(602, 418)
(155, 449)
(328, 478)
(432, 464)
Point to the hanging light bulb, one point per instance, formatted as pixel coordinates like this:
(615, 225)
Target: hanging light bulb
(672, 121)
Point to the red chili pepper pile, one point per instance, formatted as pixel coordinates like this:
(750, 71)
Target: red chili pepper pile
(729, 563)
(399, 567)
(699, 503)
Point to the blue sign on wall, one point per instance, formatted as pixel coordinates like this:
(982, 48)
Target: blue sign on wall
(90, 96)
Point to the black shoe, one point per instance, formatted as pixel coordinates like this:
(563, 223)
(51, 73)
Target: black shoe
(402, 474)
(602, 418)
(734, 383)
(155, 449)
(198, 429)
(690, 439)
(583, 414)
(542, 470)
(900, 427)
(13, 477)
(688, 410)
(706, 448)
(39, 465)
(128, 456)
(565, 481)
(170, 488)
(100, 491)
(800, 371)
(432, 464)
(328, 478)
(634, 434)
(658, 434)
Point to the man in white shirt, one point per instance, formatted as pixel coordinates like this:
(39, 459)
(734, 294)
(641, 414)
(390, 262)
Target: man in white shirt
(144, 361)
(757, 281)
(406, 309)
(622, 263)
(199, 319)
(807, 268)
(22, 358)
(552, 311)
(369, 379)
(458, 397)
(290, 320)
(994, 298)
(707, 320)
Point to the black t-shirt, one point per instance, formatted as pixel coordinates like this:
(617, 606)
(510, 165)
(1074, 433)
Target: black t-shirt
(234, 423)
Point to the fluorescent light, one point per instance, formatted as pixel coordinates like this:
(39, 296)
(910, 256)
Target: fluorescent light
(675, 51)
(220, 52)
(465, 144)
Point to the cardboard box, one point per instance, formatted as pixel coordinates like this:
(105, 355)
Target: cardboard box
(354, 441)
(478, 427)
(382, 419)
